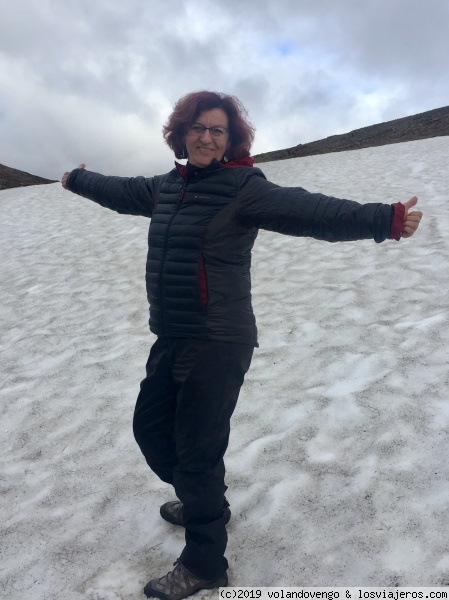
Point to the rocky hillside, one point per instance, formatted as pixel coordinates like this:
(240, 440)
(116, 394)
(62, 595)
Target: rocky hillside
(11, 178)
(432, 123)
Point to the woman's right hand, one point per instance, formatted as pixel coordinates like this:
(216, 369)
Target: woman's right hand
(67, 173)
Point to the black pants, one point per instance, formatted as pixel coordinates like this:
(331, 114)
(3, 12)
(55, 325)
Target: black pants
(182, 424)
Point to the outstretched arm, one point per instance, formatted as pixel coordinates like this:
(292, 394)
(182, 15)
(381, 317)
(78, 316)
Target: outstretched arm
(297, 212)
(125, 195)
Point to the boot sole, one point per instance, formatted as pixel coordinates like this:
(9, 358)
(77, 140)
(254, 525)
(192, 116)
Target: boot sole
(210, 585)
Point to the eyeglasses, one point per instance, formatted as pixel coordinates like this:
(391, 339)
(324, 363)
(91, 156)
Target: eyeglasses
(215, 132)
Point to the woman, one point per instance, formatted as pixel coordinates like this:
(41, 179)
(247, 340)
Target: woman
(205, 218)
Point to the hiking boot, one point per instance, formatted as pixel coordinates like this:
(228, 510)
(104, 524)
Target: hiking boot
(173, 511)
(180, 583)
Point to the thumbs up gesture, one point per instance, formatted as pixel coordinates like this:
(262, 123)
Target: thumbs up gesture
(67, 173)
(411, 219)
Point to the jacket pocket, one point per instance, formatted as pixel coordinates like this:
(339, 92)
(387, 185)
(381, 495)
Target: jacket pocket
(203, 283)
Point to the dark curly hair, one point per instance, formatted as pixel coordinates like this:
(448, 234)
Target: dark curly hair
(187, 111)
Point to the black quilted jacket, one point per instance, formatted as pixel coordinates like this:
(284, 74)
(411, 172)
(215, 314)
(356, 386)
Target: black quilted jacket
(202, 230)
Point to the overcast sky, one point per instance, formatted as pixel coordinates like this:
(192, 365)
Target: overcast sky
(94, 80)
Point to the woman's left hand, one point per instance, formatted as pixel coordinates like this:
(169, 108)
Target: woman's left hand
(411, 219)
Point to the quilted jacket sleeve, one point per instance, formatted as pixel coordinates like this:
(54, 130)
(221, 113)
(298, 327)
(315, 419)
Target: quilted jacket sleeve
(125, 195)
(297, 212)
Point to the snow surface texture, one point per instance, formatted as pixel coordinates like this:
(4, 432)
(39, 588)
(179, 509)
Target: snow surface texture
(338, 465)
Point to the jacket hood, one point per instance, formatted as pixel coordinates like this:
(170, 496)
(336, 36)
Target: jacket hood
(187, 170)
(247, 161)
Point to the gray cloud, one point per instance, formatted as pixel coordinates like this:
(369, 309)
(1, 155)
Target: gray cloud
(95, 81)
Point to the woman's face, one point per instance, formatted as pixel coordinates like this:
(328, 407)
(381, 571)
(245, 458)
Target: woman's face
(204, 146)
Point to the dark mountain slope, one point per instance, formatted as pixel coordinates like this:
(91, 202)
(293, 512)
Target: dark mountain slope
(432, 123)
(11, 178)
